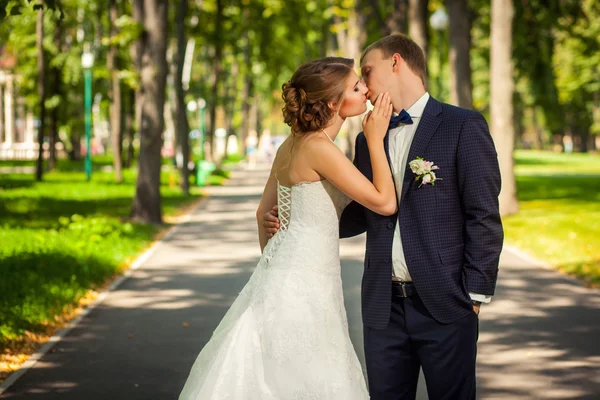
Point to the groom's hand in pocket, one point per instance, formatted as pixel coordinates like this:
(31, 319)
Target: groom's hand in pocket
(271, 222)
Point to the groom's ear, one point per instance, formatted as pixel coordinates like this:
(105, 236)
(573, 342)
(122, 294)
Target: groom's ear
(396, 61)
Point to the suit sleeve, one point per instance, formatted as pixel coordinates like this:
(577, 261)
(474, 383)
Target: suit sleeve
(479, 185)
(353, 221)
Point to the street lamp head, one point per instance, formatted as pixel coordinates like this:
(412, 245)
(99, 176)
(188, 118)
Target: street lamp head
(439, 19)
(87, 60)
(191, 106)
(201, 103)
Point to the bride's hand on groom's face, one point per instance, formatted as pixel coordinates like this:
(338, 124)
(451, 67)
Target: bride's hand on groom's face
(376, 122)
(271, 222)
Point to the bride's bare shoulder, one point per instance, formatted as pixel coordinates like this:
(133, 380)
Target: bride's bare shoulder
(285, 146)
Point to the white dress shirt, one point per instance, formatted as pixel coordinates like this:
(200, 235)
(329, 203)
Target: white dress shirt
(400, 140)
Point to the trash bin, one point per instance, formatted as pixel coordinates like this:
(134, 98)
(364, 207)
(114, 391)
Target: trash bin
(205, 168)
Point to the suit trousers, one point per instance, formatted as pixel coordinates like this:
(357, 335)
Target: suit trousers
(413, 339)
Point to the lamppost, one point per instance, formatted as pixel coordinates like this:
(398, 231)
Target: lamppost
(439, 22)
(87, 62)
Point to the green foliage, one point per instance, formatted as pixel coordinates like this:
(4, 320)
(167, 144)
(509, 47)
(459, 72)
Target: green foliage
(577, 65)
(16, 7)
(556, 53)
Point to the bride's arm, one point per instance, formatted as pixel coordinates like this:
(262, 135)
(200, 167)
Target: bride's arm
(379, 196)
(330, 162)
(267, 201)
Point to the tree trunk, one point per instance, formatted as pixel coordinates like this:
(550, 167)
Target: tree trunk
(182, 125)
(539, 131)
(129, 131)
(584, 141)
(248, 90)
(595, 121)
(114, 94)
(55, 121)
(230, 105)
(41, 91)
(56, 91)
(351, 41)
(418, 16)
(153, 43)
(461, 88)
(258, 116)
(501, 103)
(216, 77)
(397, 22)
(2, 116)
(136, 56)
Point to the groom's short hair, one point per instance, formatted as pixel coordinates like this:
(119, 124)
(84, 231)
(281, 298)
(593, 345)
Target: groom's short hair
(410, 51)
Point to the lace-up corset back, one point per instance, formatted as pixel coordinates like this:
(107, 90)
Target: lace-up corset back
(309, 223)
(284, 202)
(310, 205)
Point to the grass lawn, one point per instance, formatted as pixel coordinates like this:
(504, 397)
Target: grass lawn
(559, 217)
(64, 236)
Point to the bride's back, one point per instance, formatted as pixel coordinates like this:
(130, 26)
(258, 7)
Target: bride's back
(292, 164)
(303, 196)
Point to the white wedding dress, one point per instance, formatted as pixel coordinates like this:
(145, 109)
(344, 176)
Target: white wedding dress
(286, 336)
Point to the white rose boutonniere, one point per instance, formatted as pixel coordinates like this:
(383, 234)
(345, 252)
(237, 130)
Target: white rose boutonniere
(424, 171)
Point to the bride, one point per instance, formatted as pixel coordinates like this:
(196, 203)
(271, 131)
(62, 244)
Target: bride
(286, 336)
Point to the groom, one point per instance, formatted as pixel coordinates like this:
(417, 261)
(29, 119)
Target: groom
(429, 267)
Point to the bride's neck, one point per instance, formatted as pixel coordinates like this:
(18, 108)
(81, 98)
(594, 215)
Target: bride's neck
(334, 126)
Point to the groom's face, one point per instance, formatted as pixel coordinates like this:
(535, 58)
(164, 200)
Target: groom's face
(377, 72)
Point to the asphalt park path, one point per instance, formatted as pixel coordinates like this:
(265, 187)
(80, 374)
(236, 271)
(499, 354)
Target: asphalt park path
(539, 338)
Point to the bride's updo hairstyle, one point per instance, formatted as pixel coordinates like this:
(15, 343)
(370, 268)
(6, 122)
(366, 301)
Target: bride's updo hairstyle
(312, 86)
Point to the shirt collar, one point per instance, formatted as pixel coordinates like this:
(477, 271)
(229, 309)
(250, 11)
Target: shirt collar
(416, 110)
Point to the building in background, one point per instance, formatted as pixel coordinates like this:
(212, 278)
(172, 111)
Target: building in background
(18, 126)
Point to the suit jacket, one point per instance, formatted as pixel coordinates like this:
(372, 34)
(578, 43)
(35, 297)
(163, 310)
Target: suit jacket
(451, 232)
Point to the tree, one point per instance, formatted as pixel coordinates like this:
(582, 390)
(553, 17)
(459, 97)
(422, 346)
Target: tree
(41, 91)
(351, 38)
(576, 60)
(56, 92)
(502, 89)
(217, 71)
(248, 92)
(153, 16)
(114, 93)
(418, 16)
(461, 88)
(397, 22)
(397, 16)
(181, 122)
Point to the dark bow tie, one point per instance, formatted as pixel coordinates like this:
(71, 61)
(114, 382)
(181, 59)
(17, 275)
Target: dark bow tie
(402, 118)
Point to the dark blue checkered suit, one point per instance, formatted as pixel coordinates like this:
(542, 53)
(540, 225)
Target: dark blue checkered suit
(451, 232)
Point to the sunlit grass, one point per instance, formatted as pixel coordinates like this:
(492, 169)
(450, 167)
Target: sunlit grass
(65, 235)
(559, 217)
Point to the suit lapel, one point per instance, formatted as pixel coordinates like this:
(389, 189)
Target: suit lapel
(430, 120)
